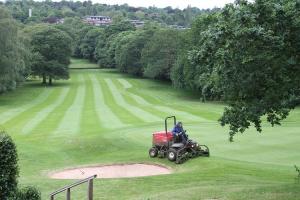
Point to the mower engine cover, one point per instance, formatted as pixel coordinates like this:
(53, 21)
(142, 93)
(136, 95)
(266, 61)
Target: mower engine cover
(161, 138)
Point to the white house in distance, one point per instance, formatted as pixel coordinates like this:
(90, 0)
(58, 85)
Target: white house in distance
(98, 20)
(105, 21)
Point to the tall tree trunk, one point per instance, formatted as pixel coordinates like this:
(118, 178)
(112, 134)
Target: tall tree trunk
(44, 79)
(50, 80)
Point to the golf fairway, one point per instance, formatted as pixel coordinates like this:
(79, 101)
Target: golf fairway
(104, 117)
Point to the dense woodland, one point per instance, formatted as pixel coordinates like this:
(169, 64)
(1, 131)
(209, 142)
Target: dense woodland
(46, 9)
(246, 54)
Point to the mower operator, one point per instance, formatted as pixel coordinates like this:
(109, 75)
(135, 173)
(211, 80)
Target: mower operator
(179, 132)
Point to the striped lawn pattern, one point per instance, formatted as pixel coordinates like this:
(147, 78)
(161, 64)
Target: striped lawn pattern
(13, 112)
(125, 83)
(70, 123)
(42, 114)
(145, 116)
(100, 116)
(165, 109)
(64, 107)
(104, 113)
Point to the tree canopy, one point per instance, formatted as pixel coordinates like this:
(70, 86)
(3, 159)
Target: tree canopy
(252, 60)
(14, 58)
(46, 10)
(52, 51)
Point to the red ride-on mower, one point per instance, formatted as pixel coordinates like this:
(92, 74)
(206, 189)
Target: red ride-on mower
(164, 144)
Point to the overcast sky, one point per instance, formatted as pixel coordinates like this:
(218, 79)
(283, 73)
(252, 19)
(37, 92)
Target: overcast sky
(164, 3)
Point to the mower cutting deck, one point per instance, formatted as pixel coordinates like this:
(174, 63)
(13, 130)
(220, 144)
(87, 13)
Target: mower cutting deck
(164, 144)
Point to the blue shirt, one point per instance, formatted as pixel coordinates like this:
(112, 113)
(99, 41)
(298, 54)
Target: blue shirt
(177, 130)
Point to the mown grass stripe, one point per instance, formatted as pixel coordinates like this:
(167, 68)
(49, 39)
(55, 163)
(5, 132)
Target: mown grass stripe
(16, 124)
(137, 101)
(124, 115)
(11, 113)
(70, 123)
(180, 114)
(170, 106)
(125, 83)
(42, 114)
(47, 127)
(164, 110)
(136, 84)
(140, 100)
(106, 116)
(145, 116)
(90, 122)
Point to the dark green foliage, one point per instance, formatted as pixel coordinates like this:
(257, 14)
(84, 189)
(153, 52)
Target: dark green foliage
(8, 167)
(28, 193)
(81, 32)
(9, 173)
(159, 54)
(64, 9)
(88, 44)
(106, 46)
(128, 55)
(118, 27)
(249, 54)
(129, 50)
(52, 51)
(115, 46)
(177, 73)
(14, 58)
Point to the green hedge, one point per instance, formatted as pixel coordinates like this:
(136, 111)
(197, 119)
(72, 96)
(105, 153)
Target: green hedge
(28, 193)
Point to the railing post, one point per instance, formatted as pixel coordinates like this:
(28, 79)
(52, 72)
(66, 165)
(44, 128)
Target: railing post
(68, 188)
(69, 194)
(90, 189)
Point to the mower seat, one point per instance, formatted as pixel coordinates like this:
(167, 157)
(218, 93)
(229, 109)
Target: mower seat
(177, 139)
(177, 145)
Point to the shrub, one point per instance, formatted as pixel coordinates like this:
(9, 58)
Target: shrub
(8, 167)
(28, 193)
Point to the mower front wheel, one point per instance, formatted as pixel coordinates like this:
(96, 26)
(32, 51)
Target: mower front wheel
(172, 155)
(153, 152)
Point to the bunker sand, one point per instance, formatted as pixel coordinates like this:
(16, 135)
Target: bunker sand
(112, 171)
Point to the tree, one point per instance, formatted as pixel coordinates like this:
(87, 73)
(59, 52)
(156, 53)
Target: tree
(199, 63)
(250, 53)
(52, 51)
(9, 170)
(261, 67)
(115, 43)
(88, 44)
(14, 61)
(128, 51)
(80, 33)
(159, 54)
(105, 49)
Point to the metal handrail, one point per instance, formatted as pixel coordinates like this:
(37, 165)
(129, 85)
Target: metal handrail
(68, 188)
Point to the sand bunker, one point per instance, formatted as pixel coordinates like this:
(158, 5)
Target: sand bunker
(112, 171)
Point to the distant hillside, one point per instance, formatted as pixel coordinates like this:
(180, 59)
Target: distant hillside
(47, 9)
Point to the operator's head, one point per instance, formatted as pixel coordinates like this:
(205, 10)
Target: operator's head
(179, 124)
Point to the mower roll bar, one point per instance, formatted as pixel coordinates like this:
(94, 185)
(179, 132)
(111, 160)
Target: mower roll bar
(166, 122)
(166, 125)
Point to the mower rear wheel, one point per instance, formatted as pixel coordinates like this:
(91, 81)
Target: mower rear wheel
(172, 154)
(153, 152)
